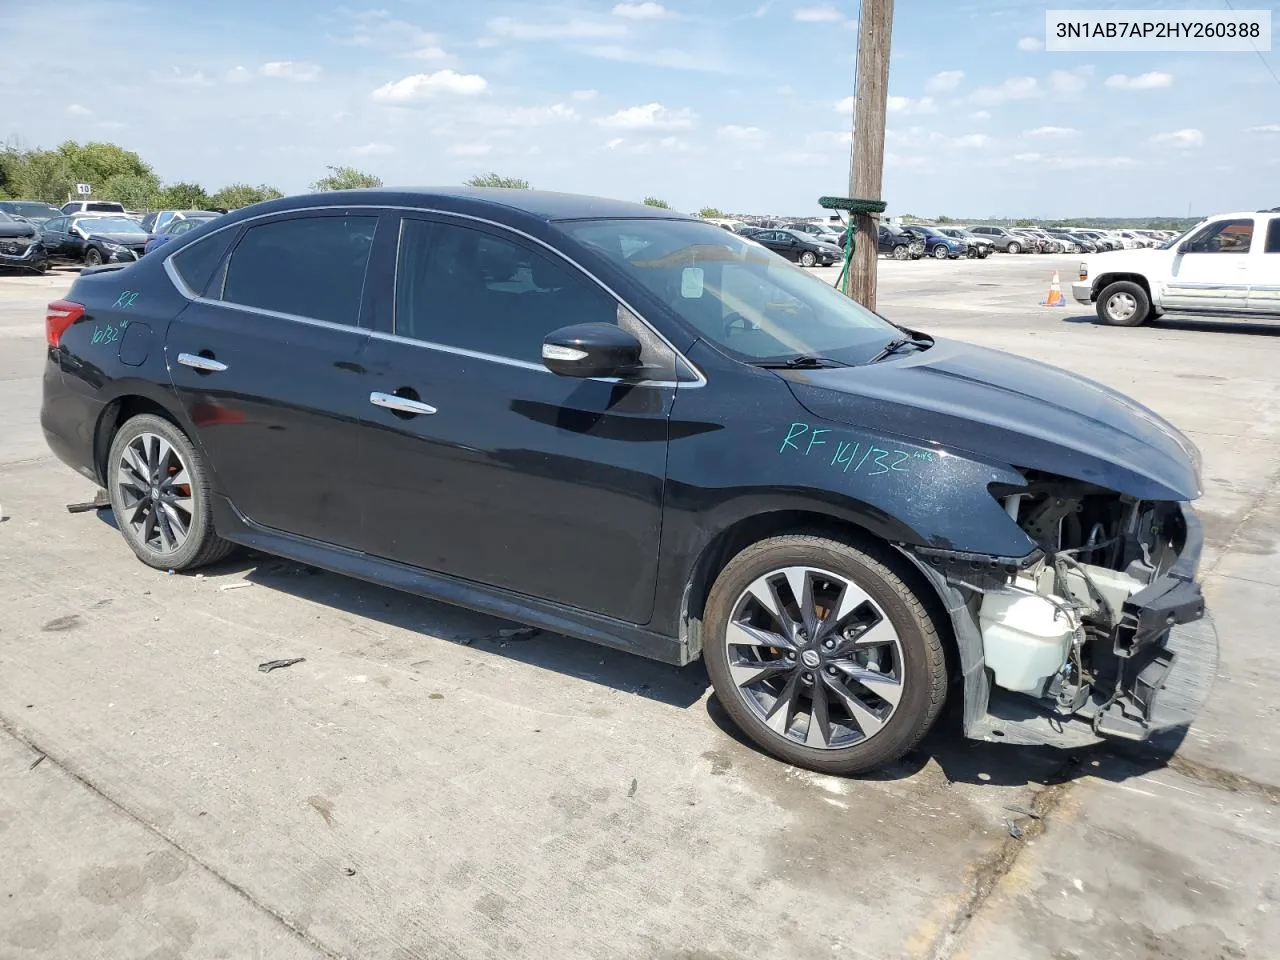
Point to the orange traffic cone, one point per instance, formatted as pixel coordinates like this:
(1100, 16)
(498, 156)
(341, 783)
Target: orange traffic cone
(1056, 299)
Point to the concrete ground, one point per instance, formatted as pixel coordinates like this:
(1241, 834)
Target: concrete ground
(422, 786)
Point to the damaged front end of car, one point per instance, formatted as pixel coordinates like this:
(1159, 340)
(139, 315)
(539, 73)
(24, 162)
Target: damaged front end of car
(1099, 632)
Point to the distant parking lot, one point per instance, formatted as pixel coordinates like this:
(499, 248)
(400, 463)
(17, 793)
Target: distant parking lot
(161, 797)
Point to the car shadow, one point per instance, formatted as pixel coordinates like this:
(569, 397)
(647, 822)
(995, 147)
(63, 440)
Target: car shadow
(1191, 325)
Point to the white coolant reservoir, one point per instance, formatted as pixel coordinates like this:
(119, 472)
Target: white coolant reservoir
(1025, 637)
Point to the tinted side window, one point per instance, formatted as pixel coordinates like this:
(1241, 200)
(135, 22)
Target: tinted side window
(56, 225)
(1273, 236)
(307, 266)
(197, 263)
(466, 288)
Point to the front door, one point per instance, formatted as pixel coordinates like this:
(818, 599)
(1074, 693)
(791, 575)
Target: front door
(484, 465)
(267, 366)
(1264, 273)
(54, 238)
(1210, 270)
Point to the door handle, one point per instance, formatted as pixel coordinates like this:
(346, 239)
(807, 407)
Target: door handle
(400, 404)
(197, 362)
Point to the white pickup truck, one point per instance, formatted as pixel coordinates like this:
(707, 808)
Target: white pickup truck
(1226, 266)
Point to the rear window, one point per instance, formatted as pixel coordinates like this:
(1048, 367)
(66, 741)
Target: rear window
(103, 208)
(308, 267)
(198, 263)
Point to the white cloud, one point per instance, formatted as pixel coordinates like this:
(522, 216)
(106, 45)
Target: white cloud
(469, 150)
(1155, 80)
(943, 82)
(583, 95)
(1026, 157)
(980, 115)
(1265, 128)
(846, 105)
(674, 144)
(290, 70)
(75, 110)
(1053, 133)
(667, 57)
(1183, 139)
(825, 13)
(615, 143)
(742, 134)
(1030, 43)
(642, 11)
(111, 125)
(378, 29)
(1069, 81)
(431, 52)
(1015, 88)
(373, 149)
(528, 116)
(650, 116)
(970, 141)
(1088, 163)
(238, 75)
(907, 106)
(424, 86)
(512, 29)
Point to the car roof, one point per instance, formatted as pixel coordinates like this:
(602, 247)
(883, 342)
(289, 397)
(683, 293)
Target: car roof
(544, 205)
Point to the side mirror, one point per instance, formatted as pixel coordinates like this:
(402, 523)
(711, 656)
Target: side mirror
(591, 350)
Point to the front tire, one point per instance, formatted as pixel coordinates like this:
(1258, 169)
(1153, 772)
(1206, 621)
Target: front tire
(900, 252)
(940, 252)
(1124, 304)
(93, 257)
(1014, 247)
(822, 655)
(807, 259)
(160, 491)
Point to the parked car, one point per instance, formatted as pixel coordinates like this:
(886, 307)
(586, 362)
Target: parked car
(20, 245)
(92, 206)
(1103, 240)
(176, 226)
(898, 244)
(821, 231)
(1227, 266)
(1074, 242)
(800, 247)
(978, 247)
(32, 211)
(93, 240)
(937, 244)
(853, 517)
(1002, 239)
(155, 221)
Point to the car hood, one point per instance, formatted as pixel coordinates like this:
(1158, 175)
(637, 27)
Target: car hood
(1007, 409)
(125, 239)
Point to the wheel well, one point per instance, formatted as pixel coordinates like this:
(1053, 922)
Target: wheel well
(1105, 279)
(734, 539)
(116, 413)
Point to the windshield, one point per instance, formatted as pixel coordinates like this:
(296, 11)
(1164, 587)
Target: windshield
(32, 211)
(751, 303)
(5, 218)
(110, 225)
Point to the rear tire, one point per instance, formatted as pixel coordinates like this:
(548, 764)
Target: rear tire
(1124, 304)
(161, 502)
(879, 671)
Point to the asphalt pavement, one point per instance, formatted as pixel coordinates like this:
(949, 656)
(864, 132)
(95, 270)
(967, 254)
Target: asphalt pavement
(424, 785)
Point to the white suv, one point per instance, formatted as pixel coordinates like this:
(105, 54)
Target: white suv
(92, 206)
(1226, 266)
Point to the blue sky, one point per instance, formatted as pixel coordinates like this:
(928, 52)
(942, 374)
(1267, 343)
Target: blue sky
(740, 104)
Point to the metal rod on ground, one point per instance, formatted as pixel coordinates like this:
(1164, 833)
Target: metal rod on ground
(866, 165)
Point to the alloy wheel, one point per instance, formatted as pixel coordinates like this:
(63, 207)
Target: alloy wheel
(814, 658)
(155, 491)
(1121, 306)
(900, 253)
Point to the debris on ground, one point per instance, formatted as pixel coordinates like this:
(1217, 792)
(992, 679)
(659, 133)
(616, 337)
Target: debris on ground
(1024, 811)
(349, 871)
(279, 664)
(515, 634)
(100, 501)
(237, 585)
(36, 762)
(634, 784)
(1015, 831)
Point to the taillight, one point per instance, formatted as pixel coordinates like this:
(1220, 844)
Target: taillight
(59, 315)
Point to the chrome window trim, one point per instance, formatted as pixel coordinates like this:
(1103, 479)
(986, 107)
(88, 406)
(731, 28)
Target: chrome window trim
(186, 291)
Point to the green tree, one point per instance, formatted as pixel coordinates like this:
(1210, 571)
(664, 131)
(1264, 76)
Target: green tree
(708, 212)
(44, 175)
(1024, 223)
(497, 180)
(183, 196)
(944, 220)
(345, 178)
(135, 191)
(97, 163)
(237, 195)
(655, 202)
(11, 164)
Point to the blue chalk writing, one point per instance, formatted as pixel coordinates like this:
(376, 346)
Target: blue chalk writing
(903, 457)
(107, 334)
(840, 458)
(126, 299)
(814, 441)
(877, 460)
(792, 433)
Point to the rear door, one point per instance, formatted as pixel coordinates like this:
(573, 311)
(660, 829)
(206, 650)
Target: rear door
(484, 465)
(1210, 270)
(1264, 272)
(266, 361)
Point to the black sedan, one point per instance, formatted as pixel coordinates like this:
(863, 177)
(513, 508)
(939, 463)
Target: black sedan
(93, 240)
(636, 428)
(20, 246)
(897, 243)
(806, 250)
(33, 211)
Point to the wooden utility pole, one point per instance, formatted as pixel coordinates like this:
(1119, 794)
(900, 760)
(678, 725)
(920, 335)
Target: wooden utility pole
(866, 165)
